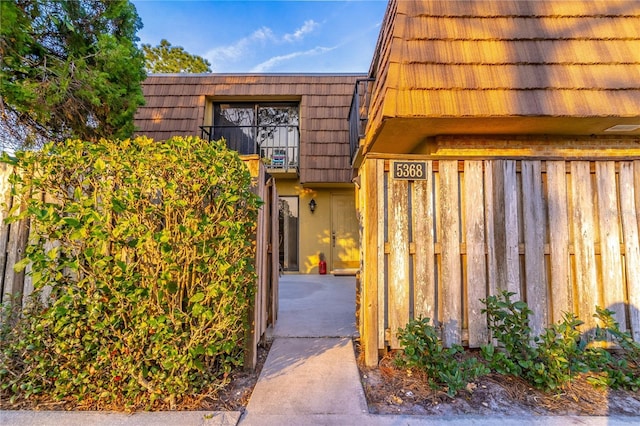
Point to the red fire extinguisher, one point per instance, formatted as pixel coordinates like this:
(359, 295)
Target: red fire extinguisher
(322, 265)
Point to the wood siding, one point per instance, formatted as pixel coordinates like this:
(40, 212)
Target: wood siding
(176, 104)
(561, 234)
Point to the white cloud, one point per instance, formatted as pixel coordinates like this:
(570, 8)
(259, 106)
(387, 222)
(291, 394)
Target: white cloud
(262, 39)
(240, 48)
(271, 62)
(298, 34)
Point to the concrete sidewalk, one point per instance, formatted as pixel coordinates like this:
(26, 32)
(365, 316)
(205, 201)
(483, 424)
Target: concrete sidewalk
(309, 378)
(311, 369)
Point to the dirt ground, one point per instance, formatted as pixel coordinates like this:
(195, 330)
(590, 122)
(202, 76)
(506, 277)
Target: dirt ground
(392, 390)
(235, 396)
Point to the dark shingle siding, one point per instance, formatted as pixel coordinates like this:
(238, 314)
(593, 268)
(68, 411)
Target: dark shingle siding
(175, 106)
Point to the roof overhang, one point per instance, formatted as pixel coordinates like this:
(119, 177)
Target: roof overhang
(405, 135)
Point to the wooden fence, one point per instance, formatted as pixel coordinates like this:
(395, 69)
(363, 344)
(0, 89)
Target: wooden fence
(17, 286)
(265, 310)
(561, 235)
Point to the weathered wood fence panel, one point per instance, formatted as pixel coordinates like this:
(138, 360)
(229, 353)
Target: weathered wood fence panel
(630, 210)
(476, 260)
(448, 233)
(398, 256)
(534, 227)
(562, 235)
(13, 240)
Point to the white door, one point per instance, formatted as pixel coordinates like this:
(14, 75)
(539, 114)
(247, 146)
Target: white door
(345, 236)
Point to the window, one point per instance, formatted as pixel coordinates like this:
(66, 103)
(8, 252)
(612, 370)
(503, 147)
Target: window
(268, 129)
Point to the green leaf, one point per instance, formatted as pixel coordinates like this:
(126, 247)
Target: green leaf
(198, 297)
(520, 305)
(21, 265)
(71, 221)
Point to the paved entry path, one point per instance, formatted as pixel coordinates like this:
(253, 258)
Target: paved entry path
(310, 375)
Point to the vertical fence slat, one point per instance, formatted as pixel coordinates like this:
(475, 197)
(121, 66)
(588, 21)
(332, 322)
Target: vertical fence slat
(425, 291)
(608, 220)
(499, 231)
(264, 224)
(476, 258)
(275, 258)
(534, 233)
(5, 206)
(371, 264)
(489, 208)
(14, 281)
(511, 228)
(631, 244)
(584, 236)
(561, 296)
(382, 296)
(633, 286)
(507, 252)
(398, 256)
(449, 231)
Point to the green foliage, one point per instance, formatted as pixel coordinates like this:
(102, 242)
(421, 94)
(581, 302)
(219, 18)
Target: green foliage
(69, 69)
(143, 254)
(165, 58)
(509, 324)
(561, 354)
(550, 361)
(444, 366)
(623, 368)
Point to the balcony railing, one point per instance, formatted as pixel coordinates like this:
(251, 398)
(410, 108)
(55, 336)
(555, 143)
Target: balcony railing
(279, 146)
(359, 113)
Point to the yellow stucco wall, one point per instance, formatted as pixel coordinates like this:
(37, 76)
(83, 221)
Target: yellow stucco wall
(315, 228)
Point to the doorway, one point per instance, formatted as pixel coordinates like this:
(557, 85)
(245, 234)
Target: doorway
(345, 236)
(288, 219)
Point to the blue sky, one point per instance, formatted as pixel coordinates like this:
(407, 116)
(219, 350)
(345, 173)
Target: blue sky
(268, 36)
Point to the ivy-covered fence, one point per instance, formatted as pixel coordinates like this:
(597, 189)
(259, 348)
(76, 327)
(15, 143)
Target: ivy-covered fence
(143, 270)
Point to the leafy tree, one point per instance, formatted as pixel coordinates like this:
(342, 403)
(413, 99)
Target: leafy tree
(165, 58)
(69, 69)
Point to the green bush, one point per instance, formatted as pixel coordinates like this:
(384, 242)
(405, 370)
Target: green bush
(444, 366)
(509, 324)
(548, 361)
(551, 361)
(142, 255)
(622, 368)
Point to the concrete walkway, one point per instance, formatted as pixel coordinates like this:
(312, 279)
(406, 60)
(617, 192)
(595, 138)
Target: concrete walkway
(311, 370)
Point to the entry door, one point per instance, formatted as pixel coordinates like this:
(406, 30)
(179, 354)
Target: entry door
(345, 236)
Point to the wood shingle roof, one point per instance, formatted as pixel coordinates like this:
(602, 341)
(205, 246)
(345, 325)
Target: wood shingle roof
(508, 58)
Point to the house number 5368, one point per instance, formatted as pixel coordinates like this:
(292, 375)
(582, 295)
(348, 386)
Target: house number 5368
(410, 170)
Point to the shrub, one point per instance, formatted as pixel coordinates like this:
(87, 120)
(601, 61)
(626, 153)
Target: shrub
(444, 366)
(142, 254)
(622, 368)
(509, 324)
(548, 361)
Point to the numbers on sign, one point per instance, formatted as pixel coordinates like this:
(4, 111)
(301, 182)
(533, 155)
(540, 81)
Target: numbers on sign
(408, 170)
